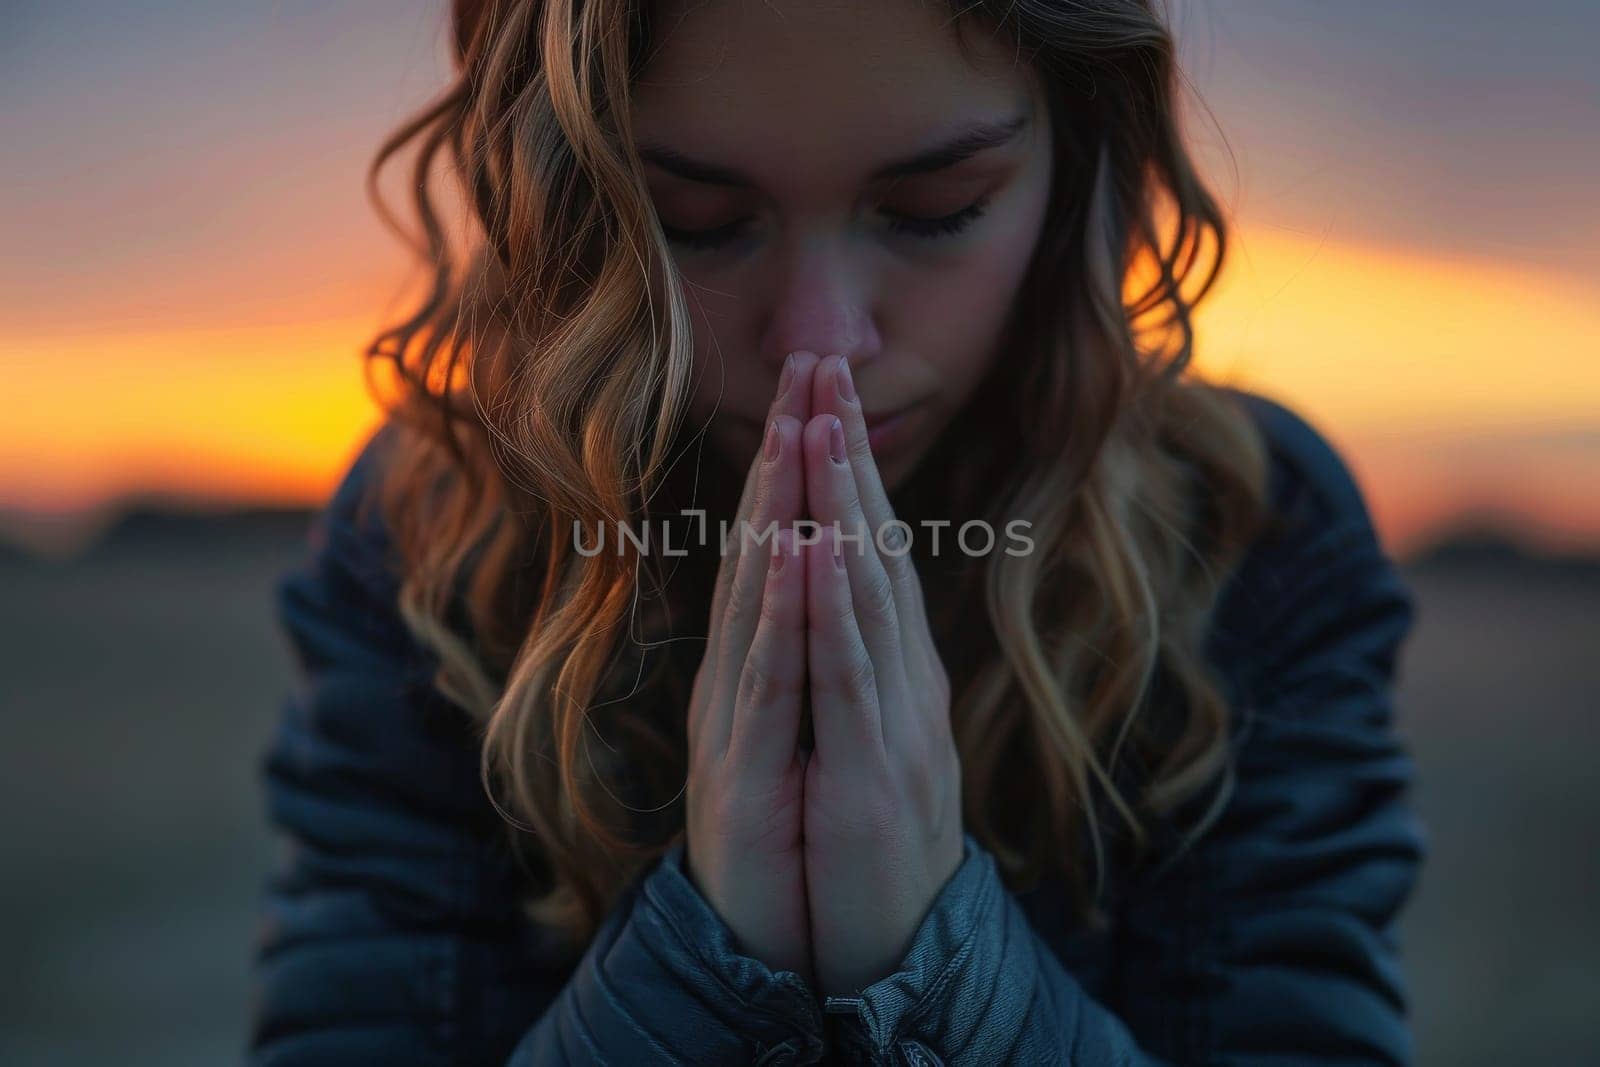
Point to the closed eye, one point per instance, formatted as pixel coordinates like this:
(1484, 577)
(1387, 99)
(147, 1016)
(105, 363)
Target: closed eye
(943, 226)
(914, 225)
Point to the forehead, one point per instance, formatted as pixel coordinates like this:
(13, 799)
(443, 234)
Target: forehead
(808, 92)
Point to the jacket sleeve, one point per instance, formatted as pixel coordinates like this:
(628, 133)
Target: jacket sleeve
(391, 931)
(1271, 939)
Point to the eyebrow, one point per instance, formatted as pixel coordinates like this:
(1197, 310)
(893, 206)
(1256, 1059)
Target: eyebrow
(963, 146)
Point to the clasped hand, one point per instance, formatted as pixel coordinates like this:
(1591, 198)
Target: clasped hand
(825, 862)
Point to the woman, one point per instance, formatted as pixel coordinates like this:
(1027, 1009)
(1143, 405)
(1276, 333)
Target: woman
(1107, 776)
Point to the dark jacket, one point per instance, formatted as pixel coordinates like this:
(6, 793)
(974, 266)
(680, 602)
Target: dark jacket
(391, 935)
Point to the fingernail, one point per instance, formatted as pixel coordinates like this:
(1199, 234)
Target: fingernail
(836, 440)
(846, 385)
(771, 451)
(787, 376)
(777, 554)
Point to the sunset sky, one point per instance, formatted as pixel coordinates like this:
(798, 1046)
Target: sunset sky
(189, 268)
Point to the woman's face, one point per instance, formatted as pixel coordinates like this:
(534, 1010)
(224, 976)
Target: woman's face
(799, 155)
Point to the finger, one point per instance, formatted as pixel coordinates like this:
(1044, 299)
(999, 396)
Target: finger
(832, 500)
(793, 398)
(766, 709)
(839, 671)
(833, 392)
(777, 502)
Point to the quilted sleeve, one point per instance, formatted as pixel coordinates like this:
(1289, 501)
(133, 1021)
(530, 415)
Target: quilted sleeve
(1272, 939)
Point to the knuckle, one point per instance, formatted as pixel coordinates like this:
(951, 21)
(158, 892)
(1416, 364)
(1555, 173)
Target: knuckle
(854, 678)
(895, 567)
(762, 683)
(756, 685)
(739, 609)
(841, 610)
(861, 676)
(877, 600)
(773, 610)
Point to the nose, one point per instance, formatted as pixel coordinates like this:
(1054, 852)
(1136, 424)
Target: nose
(824, 304)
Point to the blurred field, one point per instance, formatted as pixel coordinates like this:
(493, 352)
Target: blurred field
(142, 682)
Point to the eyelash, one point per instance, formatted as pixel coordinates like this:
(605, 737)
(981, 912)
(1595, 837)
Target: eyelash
(945, 226)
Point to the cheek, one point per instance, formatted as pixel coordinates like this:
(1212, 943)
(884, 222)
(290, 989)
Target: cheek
(962, 307)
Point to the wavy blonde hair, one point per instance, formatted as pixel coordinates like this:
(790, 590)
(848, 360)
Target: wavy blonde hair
(543, 381)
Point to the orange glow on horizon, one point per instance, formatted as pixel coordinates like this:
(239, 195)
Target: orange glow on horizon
(1377, 338)
(250, 414)
(1407, 362)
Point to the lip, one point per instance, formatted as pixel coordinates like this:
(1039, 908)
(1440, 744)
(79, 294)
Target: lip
(885, 429)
